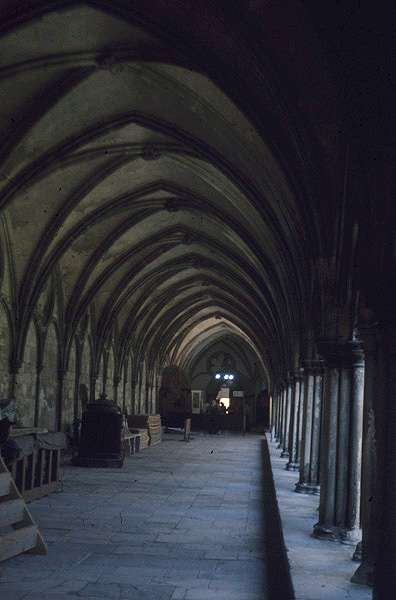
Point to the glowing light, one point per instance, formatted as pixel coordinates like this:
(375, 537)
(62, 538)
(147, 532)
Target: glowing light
(231, 377)
(226, 402)
(217, 376)
(226, 376)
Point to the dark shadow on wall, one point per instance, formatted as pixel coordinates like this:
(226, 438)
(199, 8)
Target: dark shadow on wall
(279, 580)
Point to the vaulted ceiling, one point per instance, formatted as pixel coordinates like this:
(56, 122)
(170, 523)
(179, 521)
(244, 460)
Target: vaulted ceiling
(170, 169)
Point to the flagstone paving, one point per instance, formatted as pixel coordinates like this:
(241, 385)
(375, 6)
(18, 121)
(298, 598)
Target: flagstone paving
(180, 521)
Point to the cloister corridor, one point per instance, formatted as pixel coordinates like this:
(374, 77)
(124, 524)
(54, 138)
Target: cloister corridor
(198, 221)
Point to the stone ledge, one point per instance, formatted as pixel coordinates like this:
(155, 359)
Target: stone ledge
(319, 569)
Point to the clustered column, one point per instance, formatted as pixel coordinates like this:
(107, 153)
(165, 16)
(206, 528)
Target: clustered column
(365, 549)
(286, 416)
(276, 415)
(384, 402)
(340, 476)
(282, 406)
(295, 422)
(311, 425)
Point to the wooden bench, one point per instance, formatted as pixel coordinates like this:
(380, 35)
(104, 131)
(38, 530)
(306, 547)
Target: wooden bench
(131, 443)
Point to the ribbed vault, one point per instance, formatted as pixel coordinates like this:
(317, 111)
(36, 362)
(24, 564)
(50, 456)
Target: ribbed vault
(136, 188)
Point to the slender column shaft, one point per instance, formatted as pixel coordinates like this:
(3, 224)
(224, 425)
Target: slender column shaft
(364, 573)
(133, 397)
(328, 450)
(306, 441)
(293, 464)
(281, 418)
(384, 573)
(300, 419)
(39, 370)
(355, 449)
(59, 398)
(311, 419)
(278, 408)
(288, 403)
(343, 422)
(341, 443)
(274, 424)
(314, 474)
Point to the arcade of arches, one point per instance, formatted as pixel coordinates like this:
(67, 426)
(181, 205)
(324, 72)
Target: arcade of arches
(178, 178)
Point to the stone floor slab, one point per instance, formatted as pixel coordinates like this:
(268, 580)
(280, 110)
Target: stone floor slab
(172, 524)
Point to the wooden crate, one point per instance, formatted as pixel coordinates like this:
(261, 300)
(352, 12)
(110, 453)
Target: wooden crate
(37, 475)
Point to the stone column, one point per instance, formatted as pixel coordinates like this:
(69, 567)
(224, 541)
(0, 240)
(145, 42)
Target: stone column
(311, 421)
(340, 476)
(133, 399)
(93, 380)
(286, 417)
(39, 370)
(365, 549)
(15, 365)
(293, 464)
(124, 392)
(279, 426)
(275, 405)
(384, 405)
(281, 413)
(116, 383)
(300, 418)
(275, 417)
(146, 397)
(59, 398)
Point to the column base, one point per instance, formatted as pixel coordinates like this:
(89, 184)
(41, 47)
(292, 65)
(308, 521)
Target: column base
(333, 533)
(363, 575)
(292, 466)
(285, 454)
(357, 555)
(351, 537)
(326, 532)
(307, 488)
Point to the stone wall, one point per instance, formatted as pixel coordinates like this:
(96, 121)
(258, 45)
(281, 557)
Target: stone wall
(25, 382)
(49, 381)
(4, 353)
(68, 395)
(45, 398)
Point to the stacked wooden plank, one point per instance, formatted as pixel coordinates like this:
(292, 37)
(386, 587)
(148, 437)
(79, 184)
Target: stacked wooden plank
(151, 424)
(154, 423)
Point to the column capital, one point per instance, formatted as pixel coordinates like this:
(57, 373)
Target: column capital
(290, 378)
(298, 374)
(342, 354)
(313, 366)
(369, 334)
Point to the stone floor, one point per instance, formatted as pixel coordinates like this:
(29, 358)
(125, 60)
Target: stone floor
(180, 521)
(320, 570)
